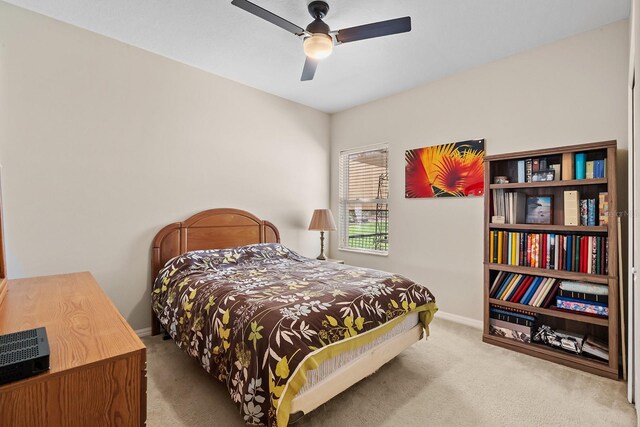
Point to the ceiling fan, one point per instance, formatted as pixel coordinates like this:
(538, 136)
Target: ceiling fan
(318, 38)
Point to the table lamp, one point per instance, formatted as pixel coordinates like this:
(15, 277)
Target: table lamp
(322, 221)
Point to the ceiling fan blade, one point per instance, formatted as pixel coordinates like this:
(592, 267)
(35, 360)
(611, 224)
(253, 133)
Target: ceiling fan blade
(268, 16)
(377, 29)
(309, 69)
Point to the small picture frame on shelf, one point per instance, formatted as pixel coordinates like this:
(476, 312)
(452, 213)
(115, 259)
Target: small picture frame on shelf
(543, 176)
(539, 210)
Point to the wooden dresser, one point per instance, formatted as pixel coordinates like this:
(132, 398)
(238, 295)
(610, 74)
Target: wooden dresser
(98, 364)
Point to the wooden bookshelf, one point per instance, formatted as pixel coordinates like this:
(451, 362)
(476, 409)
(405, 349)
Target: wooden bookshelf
(603, 328)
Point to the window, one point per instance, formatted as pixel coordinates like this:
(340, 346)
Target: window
(364, 189)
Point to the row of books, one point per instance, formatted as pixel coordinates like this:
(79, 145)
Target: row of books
(584, 211)
(536, 170)
(538, 291)
(588, 212)
(511, 205)
(519, 326)
(571, 167)
(524, 289)
(522, 326)
(589, 169)
(590, 298)
(570, 252)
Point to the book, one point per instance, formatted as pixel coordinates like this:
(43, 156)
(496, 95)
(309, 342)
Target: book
(511, 288)
(521, 171)
(589, 169)
(496, 282)
(509, 333)
(511, 316)
(582, 306)
(531, 291)
(502, 285)
(547, 252)
(576, 253)
(569, 255)
(571, 207)
(583, 212)
(598, 169)
(595, 347)
(585, 287)
(567, 166)
(517, 211)
(523, 289)
(603, 208)
(591, 212)
(528, 169)
(602, 299)
(545, 292)
(581, 167)
(512, 326)
(538, 294)
(551, 294)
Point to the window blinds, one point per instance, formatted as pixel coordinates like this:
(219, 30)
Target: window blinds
(364, 191)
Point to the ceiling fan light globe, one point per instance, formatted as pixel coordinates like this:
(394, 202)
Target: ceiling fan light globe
(318, 46)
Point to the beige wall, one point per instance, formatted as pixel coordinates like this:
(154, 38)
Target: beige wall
(570, 92)
(103, 143)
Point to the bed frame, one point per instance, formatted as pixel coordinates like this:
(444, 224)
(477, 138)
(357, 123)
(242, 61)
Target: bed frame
(211, 229)
(227, 228)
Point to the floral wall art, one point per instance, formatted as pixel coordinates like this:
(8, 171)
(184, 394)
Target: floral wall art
(448, 170)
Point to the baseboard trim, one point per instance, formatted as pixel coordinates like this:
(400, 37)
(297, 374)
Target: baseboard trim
(460, 319)
(144, 332)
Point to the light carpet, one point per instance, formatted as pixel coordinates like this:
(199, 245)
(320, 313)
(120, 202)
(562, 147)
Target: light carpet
(452, 379)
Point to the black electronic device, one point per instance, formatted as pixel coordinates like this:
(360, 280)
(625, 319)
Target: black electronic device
(23, 354)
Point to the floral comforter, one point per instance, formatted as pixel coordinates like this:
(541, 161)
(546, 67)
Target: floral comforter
(250, 315)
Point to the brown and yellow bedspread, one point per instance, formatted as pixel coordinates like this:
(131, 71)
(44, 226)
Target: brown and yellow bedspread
(252, 315)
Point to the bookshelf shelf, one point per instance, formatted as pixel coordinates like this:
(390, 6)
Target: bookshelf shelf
(548, 353)
(603, 329)
(546, 272)
(545, 184)
(602, 321)
(551, 228)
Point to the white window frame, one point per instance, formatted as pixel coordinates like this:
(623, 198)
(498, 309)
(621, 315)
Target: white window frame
(343, 203)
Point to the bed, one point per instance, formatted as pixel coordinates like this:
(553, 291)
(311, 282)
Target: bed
(285, 333)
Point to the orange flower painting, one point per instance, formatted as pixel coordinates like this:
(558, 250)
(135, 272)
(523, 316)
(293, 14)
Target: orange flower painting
(449, 170)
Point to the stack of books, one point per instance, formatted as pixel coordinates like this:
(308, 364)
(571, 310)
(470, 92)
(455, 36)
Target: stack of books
(596, 348)
(583, 297)
(568, 252)
(518, 326)
(524, 289)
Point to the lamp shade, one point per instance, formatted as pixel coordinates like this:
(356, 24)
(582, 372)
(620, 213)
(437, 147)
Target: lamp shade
(322, 220)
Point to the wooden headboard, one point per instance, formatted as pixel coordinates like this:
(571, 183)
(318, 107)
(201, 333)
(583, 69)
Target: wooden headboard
(212, 229)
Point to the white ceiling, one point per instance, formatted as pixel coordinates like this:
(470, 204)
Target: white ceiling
(448, 36)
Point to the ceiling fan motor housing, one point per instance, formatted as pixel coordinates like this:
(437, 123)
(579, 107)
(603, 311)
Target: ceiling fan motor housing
(318, 9)
(318, 27)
